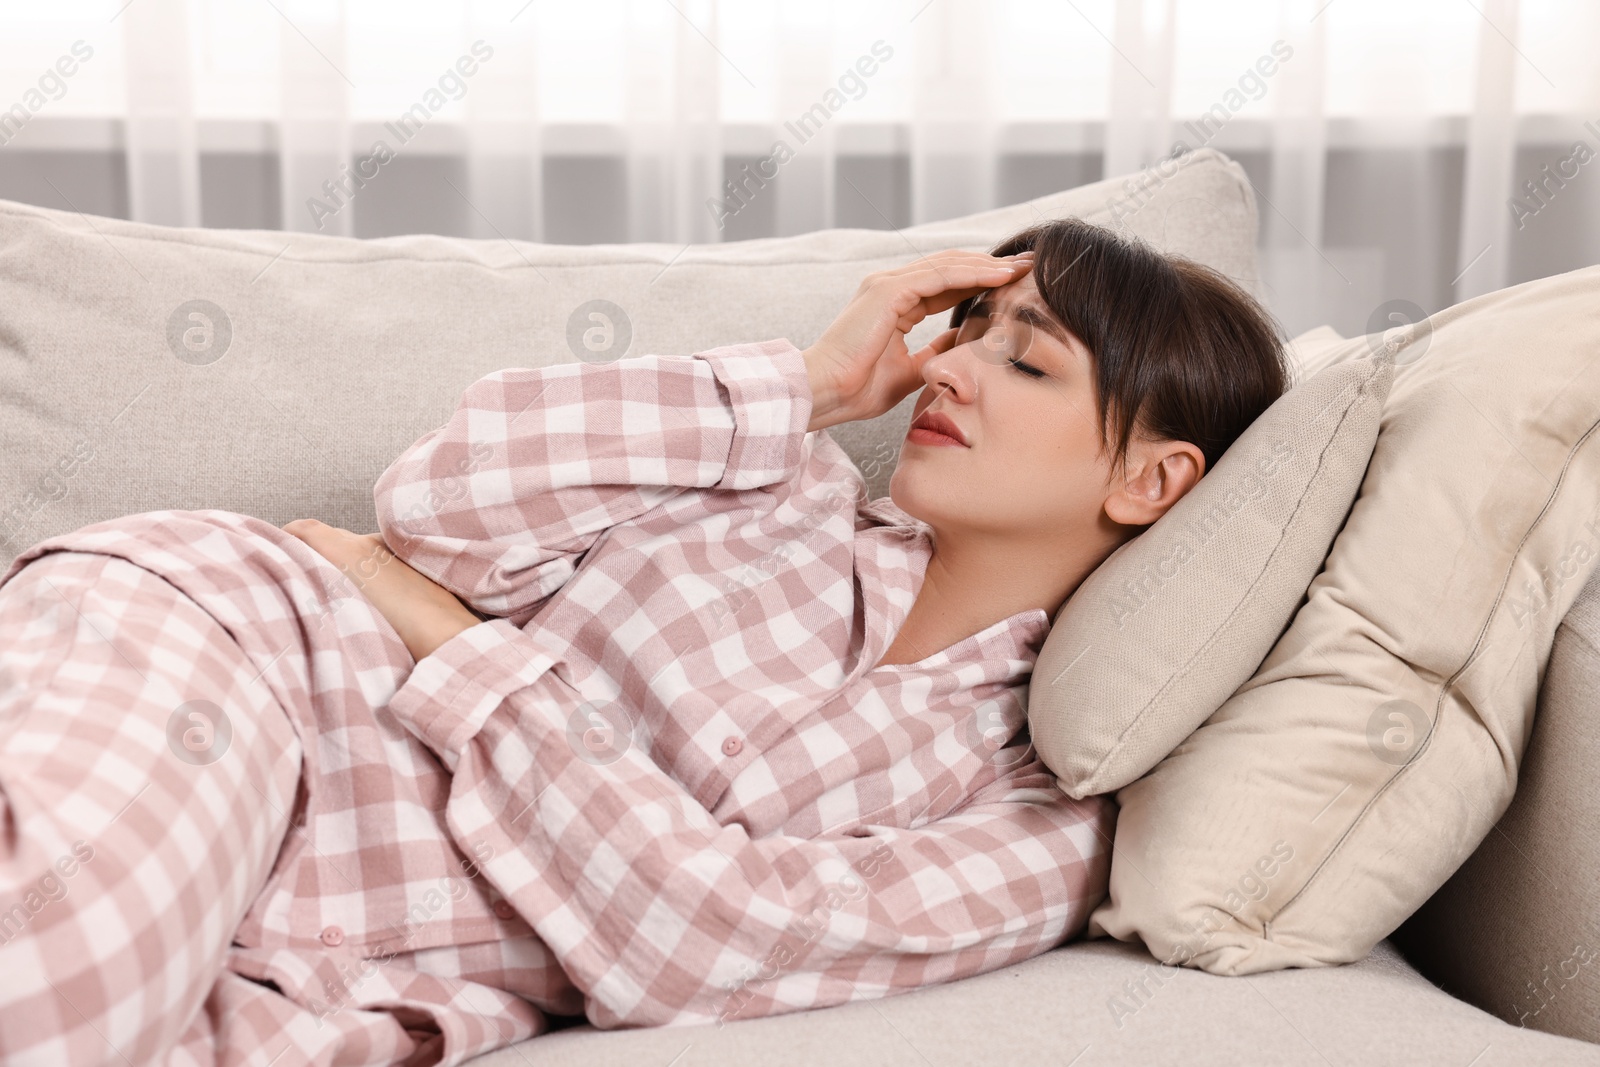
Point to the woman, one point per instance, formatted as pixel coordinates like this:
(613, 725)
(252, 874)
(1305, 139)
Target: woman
(637, 709)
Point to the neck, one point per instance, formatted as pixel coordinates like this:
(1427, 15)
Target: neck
(973, 581)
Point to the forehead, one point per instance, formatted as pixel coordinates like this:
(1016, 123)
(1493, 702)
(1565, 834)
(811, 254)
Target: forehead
(1021, 291)
(1024, 293)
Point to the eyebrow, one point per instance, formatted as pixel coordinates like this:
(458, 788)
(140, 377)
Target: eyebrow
(1032, 316)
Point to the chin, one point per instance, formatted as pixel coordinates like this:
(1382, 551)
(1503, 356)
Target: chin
(979, 508)
(897, 486)
(907, 489)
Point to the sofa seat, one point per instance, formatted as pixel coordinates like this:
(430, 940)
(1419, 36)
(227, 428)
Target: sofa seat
(1099, 1002)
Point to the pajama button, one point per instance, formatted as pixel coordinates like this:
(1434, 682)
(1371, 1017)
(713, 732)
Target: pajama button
(732, 746)
(332, 936)
(503, 909)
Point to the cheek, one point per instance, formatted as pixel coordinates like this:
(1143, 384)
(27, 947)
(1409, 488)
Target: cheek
(1039, 465)
(1048, 420)
(1049, 467)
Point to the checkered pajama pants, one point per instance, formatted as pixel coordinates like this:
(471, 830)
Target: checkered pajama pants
(129, 851)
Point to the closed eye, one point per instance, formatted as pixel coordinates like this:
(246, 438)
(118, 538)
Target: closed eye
(1011, 339)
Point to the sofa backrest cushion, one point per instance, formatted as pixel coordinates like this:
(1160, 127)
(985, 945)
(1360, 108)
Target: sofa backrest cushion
(277, 374)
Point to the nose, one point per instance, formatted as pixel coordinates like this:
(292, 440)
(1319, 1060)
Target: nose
(954, 370)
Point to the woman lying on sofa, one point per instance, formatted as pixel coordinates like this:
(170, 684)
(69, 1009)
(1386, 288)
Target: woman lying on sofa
(638, 709)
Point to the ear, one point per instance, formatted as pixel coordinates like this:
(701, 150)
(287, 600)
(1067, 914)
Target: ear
(1159, 473)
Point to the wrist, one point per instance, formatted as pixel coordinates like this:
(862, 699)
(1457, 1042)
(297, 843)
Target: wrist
(824, 405)
(424, 641)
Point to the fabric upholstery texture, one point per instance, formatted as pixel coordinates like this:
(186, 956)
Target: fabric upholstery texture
(1517, 928)
(1162, 632)
(1378, 744)
(1103, 1003)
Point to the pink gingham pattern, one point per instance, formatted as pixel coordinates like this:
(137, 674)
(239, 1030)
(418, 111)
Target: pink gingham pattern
(666, 783)
(131, 868)
(790, 825)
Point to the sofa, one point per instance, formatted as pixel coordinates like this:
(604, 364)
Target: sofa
(278, 374)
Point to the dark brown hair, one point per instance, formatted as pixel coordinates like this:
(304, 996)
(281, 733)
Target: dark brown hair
(1180, 352)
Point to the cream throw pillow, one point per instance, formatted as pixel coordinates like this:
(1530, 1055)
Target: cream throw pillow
(1379, 742)
(1163, 631)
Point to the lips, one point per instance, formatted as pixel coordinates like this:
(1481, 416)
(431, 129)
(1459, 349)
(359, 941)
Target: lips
(938, 423)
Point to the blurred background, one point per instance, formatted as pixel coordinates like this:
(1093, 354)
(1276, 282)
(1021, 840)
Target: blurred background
(1425, 150)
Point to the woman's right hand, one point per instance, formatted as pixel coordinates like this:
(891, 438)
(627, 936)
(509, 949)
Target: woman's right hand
(860, 367)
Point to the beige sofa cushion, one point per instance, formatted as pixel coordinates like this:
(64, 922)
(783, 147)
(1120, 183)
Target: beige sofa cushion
(1161, 633)
(1098, 1005)
(278, 374)
(1378, 744)
(1516, 930)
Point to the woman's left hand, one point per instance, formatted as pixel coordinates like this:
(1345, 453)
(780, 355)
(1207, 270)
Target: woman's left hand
(424, 613)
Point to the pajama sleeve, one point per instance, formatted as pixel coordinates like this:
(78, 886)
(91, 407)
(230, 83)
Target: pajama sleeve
(663, 917)
(499, 503)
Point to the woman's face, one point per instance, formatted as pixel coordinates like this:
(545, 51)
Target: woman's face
(1019, 388)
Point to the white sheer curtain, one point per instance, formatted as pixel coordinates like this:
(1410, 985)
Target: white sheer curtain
(505, 125)
(1139, 125)
(806, 200)
(1484, 249)
(1293, 262)
(953, 116)
(313, 114)
(163, 152)
(673, 92)
(672, 124)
